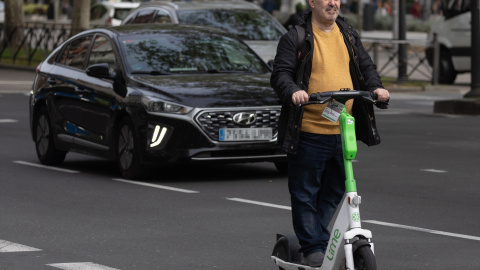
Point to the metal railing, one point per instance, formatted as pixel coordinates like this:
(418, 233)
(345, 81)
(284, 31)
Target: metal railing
(35, 37)
(385, 54)
(44, 37)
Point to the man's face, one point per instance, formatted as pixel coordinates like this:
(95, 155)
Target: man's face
(325, 10)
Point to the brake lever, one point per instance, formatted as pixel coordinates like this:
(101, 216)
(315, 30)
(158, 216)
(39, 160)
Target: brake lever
(382, 104)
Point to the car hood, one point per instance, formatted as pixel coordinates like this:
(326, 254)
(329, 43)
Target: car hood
(212, 90)
(266, 49)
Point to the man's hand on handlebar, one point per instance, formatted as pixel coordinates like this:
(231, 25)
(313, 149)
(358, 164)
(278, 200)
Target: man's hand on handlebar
(382, 94)
(299, 97)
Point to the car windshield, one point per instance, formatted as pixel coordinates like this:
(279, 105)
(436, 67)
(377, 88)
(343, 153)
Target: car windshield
(246, 24)
(188, 53)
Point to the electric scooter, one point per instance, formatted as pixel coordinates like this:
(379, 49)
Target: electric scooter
(350, 246)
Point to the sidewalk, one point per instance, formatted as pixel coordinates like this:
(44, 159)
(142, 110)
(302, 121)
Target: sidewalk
(375, 34)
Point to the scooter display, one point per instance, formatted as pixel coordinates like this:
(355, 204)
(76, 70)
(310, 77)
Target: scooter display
(350, 246)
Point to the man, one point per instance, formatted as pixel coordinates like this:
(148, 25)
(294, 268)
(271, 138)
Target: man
(333, 58)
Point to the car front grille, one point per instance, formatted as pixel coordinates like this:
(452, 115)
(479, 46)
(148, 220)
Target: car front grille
(212, 121)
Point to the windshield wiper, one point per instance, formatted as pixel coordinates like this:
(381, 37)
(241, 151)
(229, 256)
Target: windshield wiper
(222, 71)
(152, 72)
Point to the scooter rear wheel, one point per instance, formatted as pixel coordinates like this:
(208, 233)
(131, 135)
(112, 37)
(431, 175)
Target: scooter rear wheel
(364, 259)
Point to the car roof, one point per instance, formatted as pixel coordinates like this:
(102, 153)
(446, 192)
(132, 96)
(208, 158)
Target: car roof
(134, 29)
(117, 5)
(189, 5)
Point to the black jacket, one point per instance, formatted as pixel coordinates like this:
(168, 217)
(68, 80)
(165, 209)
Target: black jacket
(291, 72)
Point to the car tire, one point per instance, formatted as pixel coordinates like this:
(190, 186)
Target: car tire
(282, 166)
(447, 73)
(47, 153)
(127, 152)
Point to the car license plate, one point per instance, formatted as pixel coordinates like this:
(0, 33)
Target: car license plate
(245, 134)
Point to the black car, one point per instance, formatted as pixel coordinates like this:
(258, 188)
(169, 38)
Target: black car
(150, 95)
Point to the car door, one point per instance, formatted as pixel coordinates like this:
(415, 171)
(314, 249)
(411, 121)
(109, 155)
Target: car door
(98, 99)
(62, 93)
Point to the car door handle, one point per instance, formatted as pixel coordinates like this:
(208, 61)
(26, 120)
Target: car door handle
(52, 81)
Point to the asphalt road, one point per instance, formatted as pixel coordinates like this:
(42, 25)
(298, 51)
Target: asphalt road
(419, 191)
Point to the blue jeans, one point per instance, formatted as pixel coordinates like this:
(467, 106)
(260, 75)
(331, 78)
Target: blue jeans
(316, 181)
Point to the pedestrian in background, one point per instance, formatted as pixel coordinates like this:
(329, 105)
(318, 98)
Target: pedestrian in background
(268, 5)
(294, 19)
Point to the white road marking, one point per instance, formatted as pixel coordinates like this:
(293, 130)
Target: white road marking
(16, 82)
(156, 186)
(260, 203)
(8, 121)
(469, 237)
(433, 170)
(81, 266)
(6, 246)
(25, 92)
(44, 167)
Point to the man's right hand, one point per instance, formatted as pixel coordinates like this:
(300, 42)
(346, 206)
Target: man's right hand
(299, 97)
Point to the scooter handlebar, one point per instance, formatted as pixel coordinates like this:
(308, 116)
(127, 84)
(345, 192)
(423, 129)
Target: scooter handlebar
(344, 95)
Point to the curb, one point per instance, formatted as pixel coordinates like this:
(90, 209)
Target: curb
(465, 106)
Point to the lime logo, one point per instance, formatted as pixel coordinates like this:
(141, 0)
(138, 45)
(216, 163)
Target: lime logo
(333, 244)
(356, 217)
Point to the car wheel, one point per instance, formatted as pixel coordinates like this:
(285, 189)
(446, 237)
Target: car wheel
(127, 151)
(44, 144)
(282, 166)
(447, 74)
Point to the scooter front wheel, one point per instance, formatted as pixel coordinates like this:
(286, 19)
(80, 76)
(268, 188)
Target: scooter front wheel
(364, 259)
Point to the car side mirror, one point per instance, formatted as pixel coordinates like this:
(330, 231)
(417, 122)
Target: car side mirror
(101, 70)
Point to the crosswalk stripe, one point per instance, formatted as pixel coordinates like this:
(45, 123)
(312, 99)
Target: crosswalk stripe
(8, 121)
(7, 246)
(81, 266)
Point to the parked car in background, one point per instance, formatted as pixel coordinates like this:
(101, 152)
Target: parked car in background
(260, 30)
(109, 13)
(453, 31)
(2, 12)
(152, 95)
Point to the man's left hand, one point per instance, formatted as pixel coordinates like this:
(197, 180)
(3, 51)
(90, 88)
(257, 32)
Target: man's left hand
(382, 94)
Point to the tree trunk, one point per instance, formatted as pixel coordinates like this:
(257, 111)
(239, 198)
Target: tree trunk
(14, 24)
(80, 16)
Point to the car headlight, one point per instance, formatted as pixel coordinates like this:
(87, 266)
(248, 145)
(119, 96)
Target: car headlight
(152, 104)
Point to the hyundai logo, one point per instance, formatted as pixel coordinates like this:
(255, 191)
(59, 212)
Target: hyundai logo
(244, 118)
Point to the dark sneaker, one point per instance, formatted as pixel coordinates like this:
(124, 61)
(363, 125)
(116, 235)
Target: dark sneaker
(314, 259)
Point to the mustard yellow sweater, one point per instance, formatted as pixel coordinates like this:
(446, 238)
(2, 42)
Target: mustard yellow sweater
(330, 72)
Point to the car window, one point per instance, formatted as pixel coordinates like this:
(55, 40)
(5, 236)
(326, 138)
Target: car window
(102, 52)
(247, 24)
(97, 12)
(181, 53)
(121, 13)
(162, 17)
(75, 52)
(144, 16)
(456, 7)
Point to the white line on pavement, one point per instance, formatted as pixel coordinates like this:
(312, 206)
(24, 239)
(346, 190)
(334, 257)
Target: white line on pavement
(16, 82)
(469, 237)
(156, 186)
(6, 246)
(433, 170)
(260, 203)
(44, 167)
(81, 266)
(8, 121)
